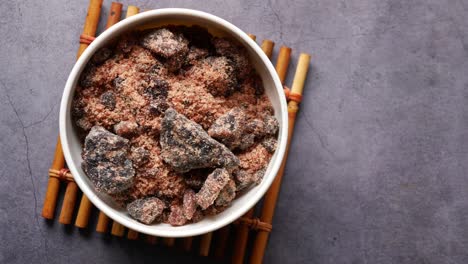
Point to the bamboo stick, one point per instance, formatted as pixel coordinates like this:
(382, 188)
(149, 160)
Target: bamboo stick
(272, 194)
(187, 243)
(151, 239)
(252, 36)
(169, 241)
(132, 10)
(114, 14)
(132, 234)
(282, 62)
(53, 186)
(103, 223)
(205, 244)
(221, 242)
(117, 229)
(90, 28)
(243, 230)
(86, 206)
(68, 205)
(91, 23)
(267, 47)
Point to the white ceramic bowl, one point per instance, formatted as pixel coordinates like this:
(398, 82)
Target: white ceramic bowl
(219, 27)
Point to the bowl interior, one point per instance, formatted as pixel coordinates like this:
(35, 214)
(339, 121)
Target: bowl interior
(72, 145)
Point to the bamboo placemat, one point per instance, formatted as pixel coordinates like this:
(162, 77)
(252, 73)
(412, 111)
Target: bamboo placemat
(228, 243)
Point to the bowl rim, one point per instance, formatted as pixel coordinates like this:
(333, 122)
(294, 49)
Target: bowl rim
(102, 205)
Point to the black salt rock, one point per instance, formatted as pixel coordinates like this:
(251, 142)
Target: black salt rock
(189, 204)
(177, 217)
(227, 194)
(213, 185)
(171, 46)
(108, 100)
(105, 161)
(270, 144)
(186, 146)
(146, 210)
(229, 128)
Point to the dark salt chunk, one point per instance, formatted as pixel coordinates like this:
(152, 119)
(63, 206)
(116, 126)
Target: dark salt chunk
(195, 54)
(197, 216)
(247, 141)
(189, 204)
(108, 100)
(213, 185)
(126, 128)
(146, 210)
(271, 125)
(256, 127)
(171, 46)
(105, 161)
(270, 144)
(229, 128)
(117, 82)
(157, 88)
(158, 106)
(219, 76)
(227, 194)
(244, 179)
(176, 216)
(101, 56)
(268, 126)
(139, 156)
(236, 53)
(186, 146)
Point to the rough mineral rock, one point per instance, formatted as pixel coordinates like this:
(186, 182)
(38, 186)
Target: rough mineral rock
(139, 156)
(268, 126)
(218, 74)
(270, 144)
(189, 204)
(146, 210)
(213, 185)
(229, 128)
(247, 141)
(271, 125)
(244, 179)
(126, 128)
(185, 145)
(157, 89)
(256, 127)
(236, 53)
(195, 54)
(168, 45)
(227, 194)
(177, 217)
(105, 161)
(108, 100)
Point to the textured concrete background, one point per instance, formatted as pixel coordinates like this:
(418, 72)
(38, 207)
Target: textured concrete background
(378, 166)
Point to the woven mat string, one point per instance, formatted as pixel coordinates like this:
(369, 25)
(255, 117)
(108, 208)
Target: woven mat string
(255, 224)
(86, 39)
(291, 96)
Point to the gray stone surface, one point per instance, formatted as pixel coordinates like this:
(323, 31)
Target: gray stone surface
(378, 165)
